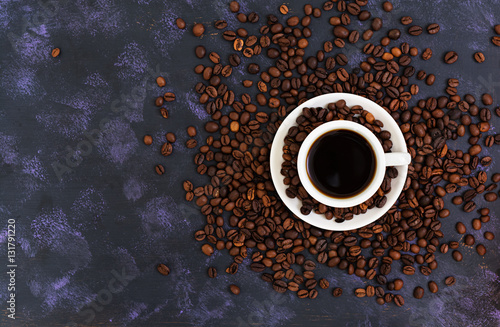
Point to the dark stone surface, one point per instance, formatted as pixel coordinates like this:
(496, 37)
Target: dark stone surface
(111, 215)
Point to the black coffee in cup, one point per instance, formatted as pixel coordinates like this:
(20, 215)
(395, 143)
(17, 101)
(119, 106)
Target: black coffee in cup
(341, 163)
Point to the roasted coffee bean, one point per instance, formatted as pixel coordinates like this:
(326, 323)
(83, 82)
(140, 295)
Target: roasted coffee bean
(415, 30)
(481, 249)
(181, 24)
(148, 139)
(220, 24)
(160, 170)
(212, 272)
(450, 57)
(418, 292)
(198, 29)
(55, 52)
(161, 81)
(387, 6)
(457, 255)
(360, 292)
(399, 300)
(406, 20)
(169, 96)
(433, 287)
(496, 40)
(234, 289)
(337, 292)
(166, 149)
(479, 57)
(450, 281)
(163, 269)
(433, 28)
(200, 51)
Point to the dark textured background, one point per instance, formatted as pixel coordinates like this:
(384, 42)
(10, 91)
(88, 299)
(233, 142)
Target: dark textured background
(112, 215)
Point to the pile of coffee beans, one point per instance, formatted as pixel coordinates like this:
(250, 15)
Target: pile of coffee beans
(243, 214)
(308, 120)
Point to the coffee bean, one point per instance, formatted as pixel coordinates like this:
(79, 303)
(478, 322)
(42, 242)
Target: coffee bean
(212, 272)
(160, 170)
(406, 20)
(234, 289)
(181, 24)
(323, 283)
(191, 131)
(427, 54)
(169, 97)
(415, 30)
(164, 112)
(56, 52)
(481, 249)
(433, 287)
(496, 40)
(148, 140)
(283, 9)
(476, 224)
(161, 81)
(399, 300)
(489, 236)
(191, 143)
(418, 292)
(450, 281)
(198, 29)
(200, 51)
(469, 240)
(433, 28)
(450, 57)
(207, 249)
(337, 292)
(163, 269)
(360, 292)
(220, 24)
(387, 6)
(479, 57)
(460, 228)
(457, 255)
(490, 197)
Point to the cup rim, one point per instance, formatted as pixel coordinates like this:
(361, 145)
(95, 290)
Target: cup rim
(374, 143)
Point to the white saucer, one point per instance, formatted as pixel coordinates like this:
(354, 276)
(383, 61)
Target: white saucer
(398, 145)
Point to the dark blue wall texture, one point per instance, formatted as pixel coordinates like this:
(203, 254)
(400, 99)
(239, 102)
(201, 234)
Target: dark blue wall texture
(90, 231)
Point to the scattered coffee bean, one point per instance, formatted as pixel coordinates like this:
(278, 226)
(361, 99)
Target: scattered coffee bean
(469, 240)
(450, 57)
(56, 52)
(200, 51)
(191, 131)
(148, 139)
(234, 289)
(450, 281)
(387, 6)
(198, 29)
(481, 249)
(433, 28)
(489, 236)
(479, 57)
(160, 170)
(418, 292)
(496, 40)
(433, 287)
(457, 255)
(337, 292)
(181, 24)
(162, 269)
(460, 228)
(212, 272)
(283, 9)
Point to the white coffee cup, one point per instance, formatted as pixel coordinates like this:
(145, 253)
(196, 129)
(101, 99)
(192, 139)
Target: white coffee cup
(382, 160)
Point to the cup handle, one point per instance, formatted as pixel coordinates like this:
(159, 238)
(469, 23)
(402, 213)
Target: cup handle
(397, 159)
